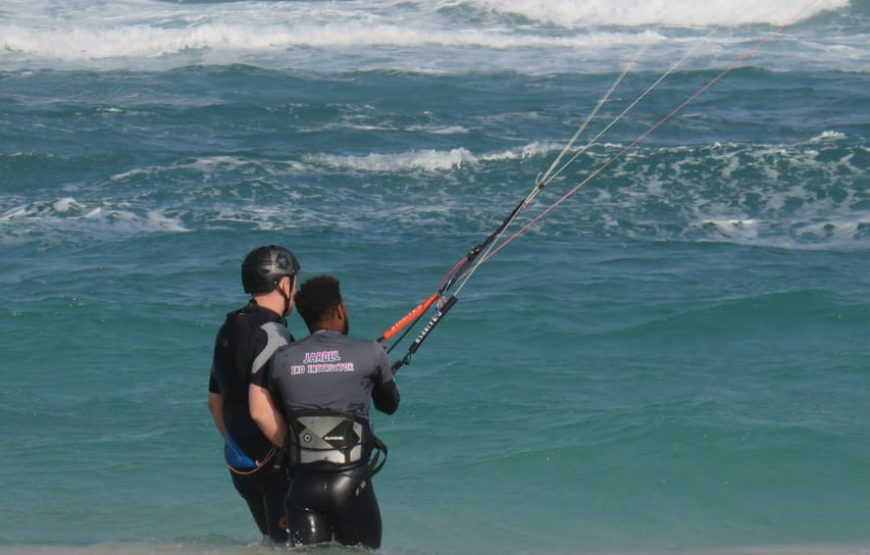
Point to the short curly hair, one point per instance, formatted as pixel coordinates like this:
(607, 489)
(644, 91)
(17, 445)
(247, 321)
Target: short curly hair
(316, 299)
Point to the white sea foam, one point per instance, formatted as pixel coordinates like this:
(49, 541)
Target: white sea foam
(13, 213)
(671, 12)
(827, 136)
(407, 35)
(64, 205)
(106, 219)
(435, 130)
(785, 196)
(427, 160)
(207, 166)
(793, 197)
(744, 228)
(146, 41)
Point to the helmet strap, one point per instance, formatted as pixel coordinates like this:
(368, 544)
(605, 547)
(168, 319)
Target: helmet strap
(288, 297)
(286, 302)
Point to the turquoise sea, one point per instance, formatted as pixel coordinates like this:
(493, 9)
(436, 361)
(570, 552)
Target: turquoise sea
(674, 360)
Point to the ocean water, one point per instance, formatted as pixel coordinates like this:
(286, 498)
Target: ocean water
(676, 359)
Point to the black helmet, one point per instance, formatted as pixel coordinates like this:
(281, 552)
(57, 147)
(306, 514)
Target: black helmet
(264, 267)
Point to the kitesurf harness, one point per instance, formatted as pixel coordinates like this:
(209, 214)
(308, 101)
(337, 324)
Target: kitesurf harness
(333, 441)
(239, 462)
(482, 252)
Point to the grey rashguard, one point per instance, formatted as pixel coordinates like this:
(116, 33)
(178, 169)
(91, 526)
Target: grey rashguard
(331, 371)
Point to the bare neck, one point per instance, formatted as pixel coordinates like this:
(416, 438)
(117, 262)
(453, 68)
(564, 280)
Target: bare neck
(273, 301)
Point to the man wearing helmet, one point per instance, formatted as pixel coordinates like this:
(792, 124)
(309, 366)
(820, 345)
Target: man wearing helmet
(244, 344)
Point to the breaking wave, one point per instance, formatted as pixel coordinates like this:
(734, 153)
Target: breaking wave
(406, 36)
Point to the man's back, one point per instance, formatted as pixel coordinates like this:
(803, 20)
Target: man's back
(245, 343)
(332, 371)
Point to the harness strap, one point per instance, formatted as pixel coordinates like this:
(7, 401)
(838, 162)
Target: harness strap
(257, 464)
(375, 464)
(240, 462)
(379, 456)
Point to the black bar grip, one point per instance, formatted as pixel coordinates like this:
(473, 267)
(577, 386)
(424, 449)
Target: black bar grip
(431, 325)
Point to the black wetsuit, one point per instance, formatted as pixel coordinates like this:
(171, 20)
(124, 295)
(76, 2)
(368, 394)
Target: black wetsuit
(244, 345)
(329, 372)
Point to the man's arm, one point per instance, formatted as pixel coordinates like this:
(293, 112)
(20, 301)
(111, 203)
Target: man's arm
(264, 413)
(216, 403)
(216, 408)
(386, 397)
(385, 393)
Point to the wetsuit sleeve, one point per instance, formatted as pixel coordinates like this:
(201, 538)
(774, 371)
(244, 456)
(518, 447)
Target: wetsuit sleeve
(213, 386)
(385, 393)
(215, 395)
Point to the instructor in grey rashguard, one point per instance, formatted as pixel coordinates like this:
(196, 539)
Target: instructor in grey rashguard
(325, 385)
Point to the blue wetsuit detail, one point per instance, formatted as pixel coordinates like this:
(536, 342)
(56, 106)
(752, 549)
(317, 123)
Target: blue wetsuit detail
(234, 455)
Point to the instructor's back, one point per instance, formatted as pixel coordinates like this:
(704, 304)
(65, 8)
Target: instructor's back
(325, 385)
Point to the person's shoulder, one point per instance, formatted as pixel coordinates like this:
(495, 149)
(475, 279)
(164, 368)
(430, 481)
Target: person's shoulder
(236, 318)
(262, 315)
(358, 341)
(294, 345)
(366, 345)
(253, 316)
(290, 350)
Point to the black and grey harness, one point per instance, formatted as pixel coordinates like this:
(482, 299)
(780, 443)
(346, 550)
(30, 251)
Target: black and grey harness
(331, 441)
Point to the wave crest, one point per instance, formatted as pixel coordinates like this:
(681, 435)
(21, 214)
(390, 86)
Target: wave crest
(677, 13)
(410, 36)
(428, 160)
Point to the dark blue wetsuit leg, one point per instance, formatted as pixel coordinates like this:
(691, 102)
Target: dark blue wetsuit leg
(264, 493)
(331, 505)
